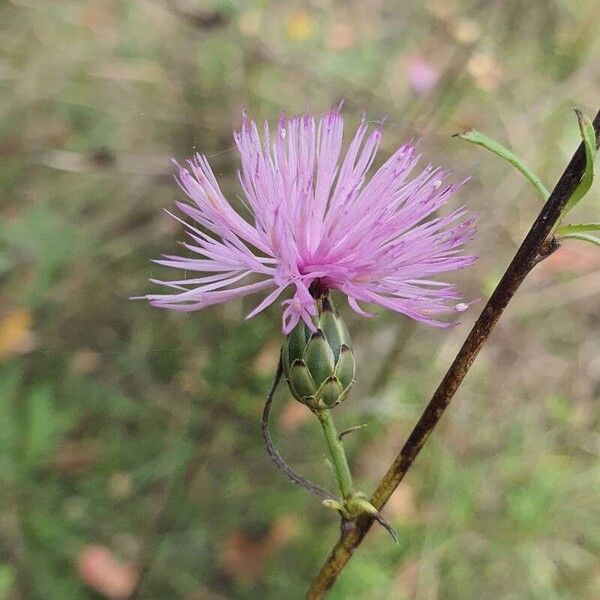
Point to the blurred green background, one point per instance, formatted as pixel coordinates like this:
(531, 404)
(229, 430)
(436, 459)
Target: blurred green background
(130, 450)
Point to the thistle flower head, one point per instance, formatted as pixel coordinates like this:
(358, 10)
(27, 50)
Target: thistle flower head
(319, 367)
(315, 221)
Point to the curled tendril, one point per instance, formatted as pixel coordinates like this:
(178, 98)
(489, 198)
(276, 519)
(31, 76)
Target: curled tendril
(273, 453)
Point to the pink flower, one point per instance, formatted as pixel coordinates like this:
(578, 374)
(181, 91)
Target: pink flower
(315, 221)
(422, 75)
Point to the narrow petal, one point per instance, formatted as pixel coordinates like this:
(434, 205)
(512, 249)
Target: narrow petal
(314, 217)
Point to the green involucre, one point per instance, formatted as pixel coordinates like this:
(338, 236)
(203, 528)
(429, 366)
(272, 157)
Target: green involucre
(319, 367)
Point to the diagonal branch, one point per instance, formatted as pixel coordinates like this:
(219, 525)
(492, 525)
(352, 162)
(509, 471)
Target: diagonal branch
(535, 247)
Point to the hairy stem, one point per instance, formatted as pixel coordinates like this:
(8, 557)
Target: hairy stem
(338, 455)
(535, 247)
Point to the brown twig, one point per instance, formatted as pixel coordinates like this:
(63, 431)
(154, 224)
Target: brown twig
(535, 247)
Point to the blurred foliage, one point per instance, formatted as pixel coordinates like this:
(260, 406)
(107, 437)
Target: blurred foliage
(137, 430)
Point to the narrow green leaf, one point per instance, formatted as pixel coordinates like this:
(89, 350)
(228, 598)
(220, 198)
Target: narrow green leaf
(579, 228)
(476, 137)
(588, 135)
(584, 237)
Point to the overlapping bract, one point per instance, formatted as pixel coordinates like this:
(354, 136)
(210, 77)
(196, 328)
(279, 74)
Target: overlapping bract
(319, 367)
(315, 217)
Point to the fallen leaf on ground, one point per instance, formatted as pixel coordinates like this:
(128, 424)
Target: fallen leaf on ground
(75, 457)
(101, 571)
(16, 336)
(245, 558)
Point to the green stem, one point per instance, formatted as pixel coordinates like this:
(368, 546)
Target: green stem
(338, 455)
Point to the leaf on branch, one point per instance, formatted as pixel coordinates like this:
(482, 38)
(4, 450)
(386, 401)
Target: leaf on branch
(476, 137)
(588, 135)
(579, 228)
(584, 237)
